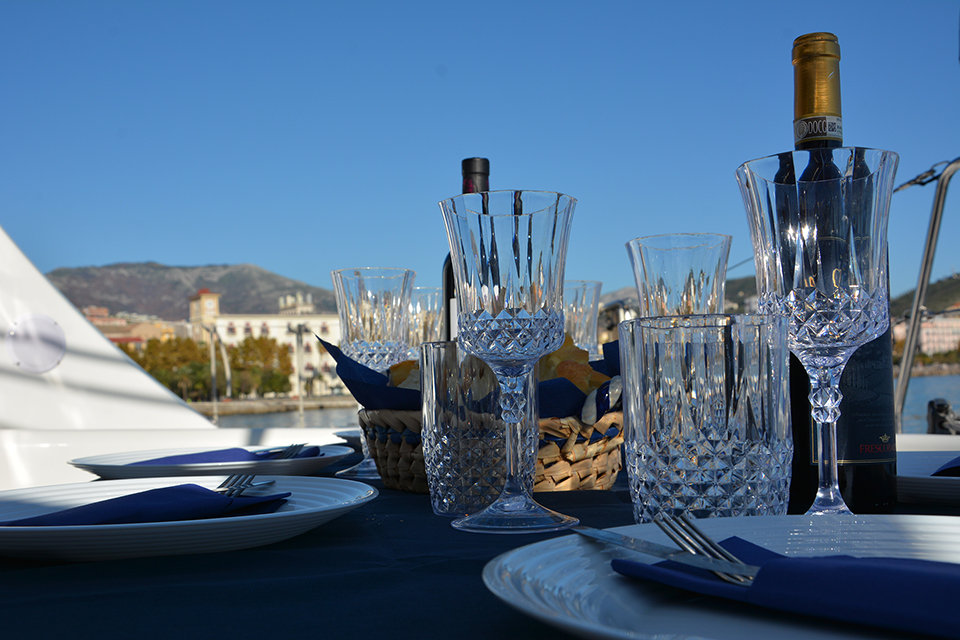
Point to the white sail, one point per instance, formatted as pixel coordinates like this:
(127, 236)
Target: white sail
(57, 371)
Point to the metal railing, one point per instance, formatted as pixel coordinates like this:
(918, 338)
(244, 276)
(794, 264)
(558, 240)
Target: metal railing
(933, 232)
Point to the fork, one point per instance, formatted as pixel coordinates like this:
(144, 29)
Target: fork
(237, 483)
(689, 537)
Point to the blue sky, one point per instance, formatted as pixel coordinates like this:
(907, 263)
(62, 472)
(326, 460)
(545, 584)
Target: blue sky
(310, 136)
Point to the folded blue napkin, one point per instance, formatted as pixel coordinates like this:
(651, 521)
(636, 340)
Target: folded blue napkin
(558, 398)
(226, 455)
(368, 387)
(180, 502)
(950, 469)
(916, 596)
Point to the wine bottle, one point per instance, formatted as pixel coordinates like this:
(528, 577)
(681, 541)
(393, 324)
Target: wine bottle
(866, 431)
(476, 178)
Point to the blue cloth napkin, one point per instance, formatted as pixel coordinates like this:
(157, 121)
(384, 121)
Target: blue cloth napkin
(225, 455)
(558, 398)
(950, 469)
(369, 387)
(916, 596)
(180, 502)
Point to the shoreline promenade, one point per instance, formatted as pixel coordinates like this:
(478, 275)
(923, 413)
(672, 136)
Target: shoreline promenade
(274, 405)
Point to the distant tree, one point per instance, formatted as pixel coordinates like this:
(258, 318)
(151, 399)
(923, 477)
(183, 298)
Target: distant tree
(259, 365)
(180, 364)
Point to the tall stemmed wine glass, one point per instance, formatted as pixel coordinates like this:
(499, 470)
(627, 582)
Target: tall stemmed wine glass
(508, 250)
(820, 248)
(372, 303)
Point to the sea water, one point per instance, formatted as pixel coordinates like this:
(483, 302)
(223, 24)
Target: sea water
(336, 419)
(921, 391)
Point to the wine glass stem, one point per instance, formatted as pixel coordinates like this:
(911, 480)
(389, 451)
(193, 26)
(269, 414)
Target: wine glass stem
(514, 396)
(825, 400)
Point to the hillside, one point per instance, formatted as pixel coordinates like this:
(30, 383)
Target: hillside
(940, 295)
(159, 290)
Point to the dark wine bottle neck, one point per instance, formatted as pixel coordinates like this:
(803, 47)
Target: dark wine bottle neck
(475, 183)
(806, 145)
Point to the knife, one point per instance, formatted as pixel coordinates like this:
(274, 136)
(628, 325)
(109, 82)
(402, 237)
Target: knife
(667, 553)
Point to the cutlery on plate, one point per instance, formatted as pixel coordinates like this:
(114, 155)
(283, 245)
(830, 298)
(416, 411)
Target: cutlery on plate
(669, 553)
(236, 484)
(689, 537)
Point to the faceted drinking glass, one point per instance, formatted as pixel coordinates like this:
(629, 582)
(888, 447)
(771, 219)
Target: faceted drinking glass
(509, 251)
(707, 415)
(820, 248)
(462, 429)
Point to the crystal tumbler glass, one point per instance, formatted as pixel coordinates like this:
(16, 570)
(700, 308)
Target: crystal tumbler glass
(707, 415)
(462, 430)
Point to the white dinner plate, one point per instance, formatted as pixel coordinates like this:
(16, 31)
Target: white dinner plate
(352, 436)
(567, 581)
(313, 501)
(916, 485)
(112, 466)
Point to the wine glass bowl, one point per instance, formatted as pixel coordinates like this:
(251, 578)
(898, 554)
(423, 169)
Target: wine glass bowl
(508, 250)
(680, 274)
(372, 303)
(425, 316)
(820, 248)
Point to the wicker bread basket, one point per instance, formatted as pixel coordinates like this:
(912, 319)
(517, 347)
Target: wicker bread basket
(574, 463)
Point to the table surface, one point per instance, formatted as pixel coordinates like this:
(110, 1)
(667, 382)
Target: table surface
(389, 569)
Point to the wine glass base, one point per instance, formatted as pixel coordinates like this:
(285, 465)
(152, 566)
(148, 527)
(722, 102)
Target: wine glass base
(516, 514)
(828, 504)
(366, 469)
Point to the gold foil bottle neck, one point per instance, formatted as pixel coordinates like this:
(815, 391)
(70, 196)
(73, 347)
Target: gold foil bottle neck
(816, 88)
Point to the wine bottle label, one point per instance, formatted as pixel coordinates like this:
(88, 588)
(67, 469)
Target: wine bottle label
(818, 128)
(866, 433)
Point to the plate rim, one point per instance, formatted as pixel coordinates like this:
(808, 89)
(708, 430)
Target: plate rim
(368, 493)
(85, 460)
(589, 628)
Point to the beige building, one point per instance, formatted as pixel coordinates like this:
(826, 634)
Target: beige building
(296, 314)
(131, 329)
(938, 334)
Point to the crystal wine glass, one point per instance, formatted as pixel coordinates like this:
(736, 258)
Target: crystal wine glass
(508, 250)
(425, 318)
(372, 303)
(820, 248)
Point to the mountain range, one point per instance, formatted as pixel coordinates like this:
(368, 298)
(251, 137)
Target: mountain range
(940, 295)
(154, 289)
(158, 290)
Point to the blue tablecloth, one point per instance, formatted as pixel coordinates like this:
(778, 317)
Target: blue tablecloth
(390, 569)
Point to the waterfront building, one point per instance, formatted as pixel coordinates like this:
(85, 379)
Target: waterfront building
(938, 334)
(296, 313)
(132, 329)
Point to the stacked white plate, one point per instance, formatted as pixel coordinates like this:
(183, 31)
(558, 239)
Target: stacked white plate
(121, 465)
(313, 501)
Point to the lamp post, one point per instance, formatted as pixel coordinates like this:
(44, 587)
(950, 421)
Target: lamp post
(299, 329)
(214, 338)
